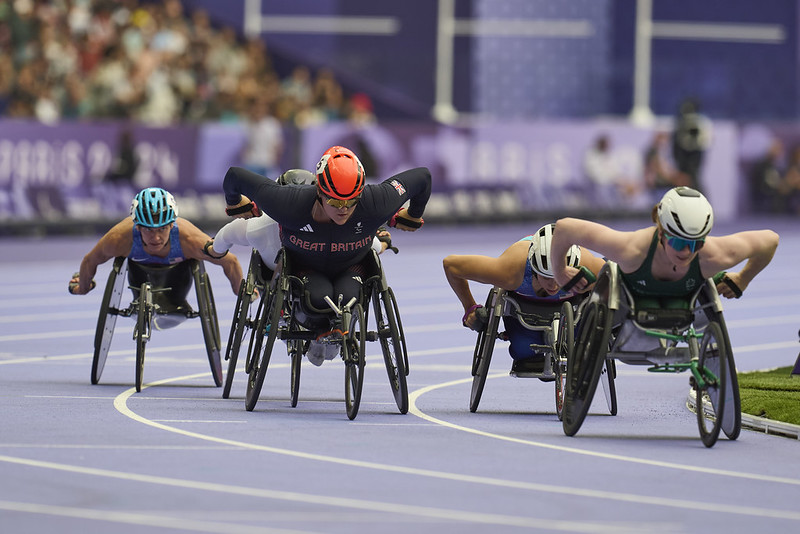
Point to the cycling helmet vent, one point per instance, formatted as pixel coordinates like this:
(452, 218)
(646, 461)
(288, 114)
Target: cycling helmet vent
(539, 252)
(684, 212)
(153, 207)
(340, 174)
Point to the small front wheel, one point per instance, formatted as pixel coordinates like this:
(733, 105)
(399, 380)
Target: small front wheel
(353, 349)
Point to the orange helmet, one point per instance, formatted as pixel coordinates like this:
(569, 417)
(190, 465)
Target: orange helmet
(340, 174)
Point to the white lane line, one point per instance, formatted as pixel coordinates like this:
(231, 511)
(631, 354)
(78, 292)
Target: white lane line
(456, 516)
(137, 518)
(121, 405)
(608, 456)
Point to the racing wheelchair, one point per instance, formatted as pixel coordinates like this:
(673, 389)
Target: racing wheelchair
(151, 286)
(286, 313)
(669, 335)
(556, 320)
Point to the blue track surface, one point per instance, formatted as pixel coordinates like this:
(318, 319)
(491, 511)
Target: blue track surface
(77, 458)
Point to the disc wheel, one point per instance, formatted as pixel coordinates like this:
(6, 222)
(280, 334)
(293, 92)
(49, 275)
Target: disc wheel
(142, 333)
(584, 365)
(712, 364)
(482, 357)
(107, 318)
(392, 344)
(565, 341)
(268, 331)
(353, 348)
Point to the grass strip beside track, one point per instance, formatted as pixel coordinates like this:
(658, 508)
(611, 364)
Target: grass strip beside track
(773, 394)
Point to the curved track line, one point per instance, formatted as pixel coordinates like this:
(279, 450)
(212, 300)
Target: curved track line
(120, 403)
(412, 409)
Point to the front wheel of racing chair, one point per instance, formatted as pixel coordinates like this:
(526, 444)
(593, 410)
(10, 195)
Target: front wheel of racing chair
(144, 322)
(353, 353)
(209, 322)
(565, 341)
(107, 319)
(586, 363)
(296, 349)
(484, 347)
(713, 361)
(266, 331)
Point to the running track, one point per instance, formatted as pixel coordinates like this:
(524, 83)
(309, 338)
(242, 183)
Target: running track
(76, 458)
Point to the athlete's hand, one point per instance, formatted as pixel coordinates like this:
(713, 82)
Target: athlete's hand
(74, 286)
(731, 285)
(245, 209)
(405, 222)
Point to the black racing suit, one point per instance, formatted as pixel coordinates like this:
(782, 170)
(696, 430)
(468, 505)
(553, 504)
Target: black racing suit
(329, 255)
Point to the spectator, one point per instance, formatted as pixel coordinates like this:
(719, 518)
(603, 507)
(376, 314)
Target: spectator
(608, 181)
(766, 179)
(789, 188)
(264, 144)
(690, 139)
(660, 173)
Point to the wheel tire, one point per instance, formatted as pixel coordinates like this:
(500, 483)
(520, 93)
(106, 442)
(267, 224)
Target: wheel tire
(353, 347)
(210, 325)
(107, 318)
(143, 324)
(713, 357)
(585, 364)
(269, 321)
(565, 342)
(238, 327)
(482, 357)
(392, 346)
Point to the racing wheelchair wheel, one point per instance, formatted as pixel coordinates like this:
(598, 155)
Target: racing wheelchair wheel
(484, 346)
(353, 348)
(240, 323)
(208, 319)
(390, 334)
(713, 358)
(585, 364)
(267, 330)
(107, 319)
(565, 341)
(144, 321)
(296, 348)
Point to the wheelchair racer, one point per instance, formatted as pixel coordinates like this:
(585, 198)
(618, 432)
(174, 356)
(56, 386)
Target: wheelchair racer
(524, 268)
(674, 257)
(154, 235)
(327, 229)
(262, 233)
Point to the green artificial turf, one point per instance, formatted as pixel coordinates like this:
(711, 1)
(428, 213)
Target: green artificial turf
(773, 394)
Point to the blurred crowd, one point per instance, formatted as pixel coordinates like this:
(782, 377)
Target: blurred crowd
(151, 62)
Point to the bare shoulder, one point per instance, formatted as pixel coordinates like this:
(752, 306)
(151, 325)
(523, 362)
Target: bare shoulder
(118, 240)
(192, 239)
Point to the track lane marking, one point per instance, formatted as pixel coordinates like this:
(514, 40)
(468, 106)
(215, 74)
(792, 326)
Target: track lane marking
(412, 409)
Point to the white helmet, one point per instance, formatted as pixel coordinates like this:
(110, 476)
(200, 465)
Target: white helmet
(686, 213)
(539, 252)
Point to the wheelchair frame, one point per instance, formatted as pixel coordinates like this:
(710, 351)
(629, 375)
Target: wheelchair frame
(612, 326)
(285, 298)
(556, 320)
(144, 309)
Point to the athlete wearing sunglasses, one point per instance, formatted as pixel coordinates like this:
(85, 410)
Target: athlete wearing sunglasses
(327, 228)
(674, 257)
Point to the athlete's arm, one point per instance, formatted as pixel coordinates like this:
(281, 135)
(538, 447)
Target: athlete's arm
(116, 242)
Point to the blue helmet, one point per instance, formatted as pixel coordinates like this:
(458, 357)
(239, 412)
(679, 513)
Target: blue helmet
(153, 207)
